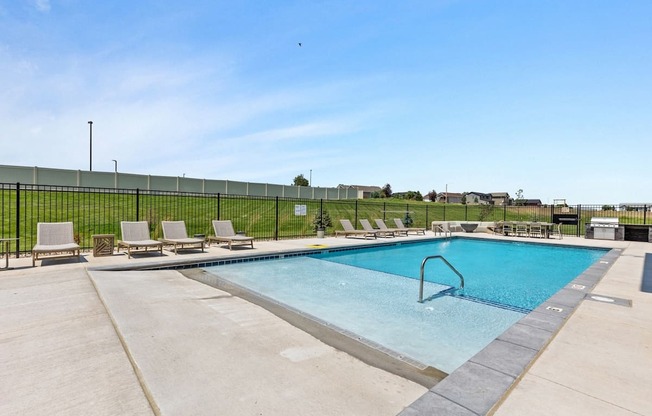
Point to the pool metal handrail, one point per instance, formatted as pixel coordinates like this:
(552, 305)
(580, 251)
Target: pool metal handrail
(423, 265)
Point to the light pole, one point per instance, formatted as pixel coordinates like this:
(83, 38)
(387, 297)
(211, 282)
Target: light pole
(310, 181)
(115, 174)
(446, 195)
(90, 125)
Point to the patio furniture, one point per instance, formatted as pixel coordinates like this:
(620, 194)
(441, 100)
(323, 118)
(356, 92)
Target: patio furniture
(400, 226)
(366, 225)
(468, 227)
(175, 234)
(224, 233)
(135, 235)
(397, 231)
(349, 230)
(55, 238)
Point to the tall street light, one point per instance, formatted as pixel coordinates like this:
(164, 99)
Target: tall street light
(90, 124)
(115, 165)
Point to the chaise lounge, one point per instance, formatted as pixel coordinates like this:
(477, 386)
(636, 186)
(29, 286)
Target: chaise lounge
(349, 230)
(383, 227)
(55, 238)
(402, 227)
(224, 233)
(366, 225)
(175, 234)
(135, 235)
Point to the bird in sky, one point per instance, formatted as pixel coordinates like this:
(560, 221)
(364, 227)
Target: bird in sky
(299, 44)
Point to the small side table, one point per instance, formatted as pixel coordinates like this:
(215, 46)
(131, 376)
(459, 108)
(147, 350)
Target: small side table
(6, 242)
(103, 244)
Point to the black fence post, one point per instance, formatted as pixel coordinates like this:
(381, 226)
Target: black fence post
(219, 206)
(384, 210)
(17, 218)
(355, 220)
(579, 220)
(444, 219)
(276, 231)
(137, 204)
(466, 212)
(504, 212)
(644, 214)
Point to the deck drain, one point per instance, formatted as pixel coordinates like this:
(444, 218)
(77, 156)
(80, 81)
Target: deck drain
(608, 299)
(554, 309)
(604, 262)
(579, 287)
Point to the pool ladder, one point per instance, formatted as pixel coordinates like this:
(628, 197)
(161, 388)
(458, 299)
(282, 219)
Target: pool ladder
(423, 265)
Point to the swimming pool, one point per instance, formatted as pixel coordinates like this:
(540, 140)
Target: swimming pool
(372, 292)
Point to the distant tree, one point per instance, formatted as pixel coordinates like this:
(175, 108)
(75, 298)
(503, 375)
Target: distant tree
(519, 198)
(432, 195)
(386, 191)
(608, 208)
(463, 200)
(413, 196)
(375, 194)
(300, 181)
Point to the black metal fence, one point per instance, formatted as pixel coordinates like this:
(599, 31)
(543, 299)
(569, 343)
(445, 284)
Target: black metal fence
(100, 210)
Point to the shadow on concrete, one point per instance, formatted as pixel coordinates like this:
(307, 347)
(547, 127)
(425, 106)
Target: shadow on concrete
(646, 281)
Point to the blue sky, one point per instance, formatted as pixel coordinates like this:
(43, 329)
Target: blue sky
(551, 97)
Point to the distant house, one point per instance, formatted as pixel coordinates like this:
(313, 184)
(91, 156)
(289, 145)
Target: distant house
(478, 198)
(364, 192)
(501, 198)
(528, 202)
(636, 206)
(450, 197)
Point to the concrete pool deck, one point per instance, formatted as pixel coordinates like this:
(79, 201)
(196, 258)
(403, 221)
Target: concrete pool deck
(75, 339)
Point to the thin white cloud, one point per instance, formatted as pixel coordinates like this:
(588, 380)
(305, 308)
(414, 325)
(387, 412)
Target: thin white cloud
(42, 6)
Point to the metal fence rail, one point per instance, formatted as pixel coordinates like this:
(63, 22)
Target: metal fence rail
(100, 210)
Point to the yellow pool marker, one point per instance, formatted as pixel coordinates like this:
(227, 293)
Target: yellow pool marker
(317, 245)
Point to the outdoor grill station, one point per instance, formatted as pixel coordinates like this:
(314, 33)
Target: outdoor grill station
(601, 228)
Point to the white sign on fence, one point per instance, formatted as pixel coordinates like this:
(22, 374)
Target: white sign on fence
(300, 210)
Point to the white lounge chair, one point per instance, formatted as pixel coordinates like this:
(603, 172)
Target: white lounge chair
(175, 234)
(366, 225)
(135, 235)
(383, 227)
(224, 233)
(349, 230)
(55, 237)
(401, 226)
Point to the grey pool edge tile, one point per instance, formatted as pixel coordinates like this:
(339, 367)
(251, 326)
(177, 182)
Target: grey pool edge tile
(475, 387)
(432, 403)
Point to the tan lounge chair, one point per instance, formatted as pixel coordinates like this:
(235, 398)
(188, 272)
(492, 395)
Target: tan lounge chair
(175, 234)
(135, 235)
(383, 227)
(401, 226)
(55, 237)
(366, 225)
(349, 230)
(224, 233)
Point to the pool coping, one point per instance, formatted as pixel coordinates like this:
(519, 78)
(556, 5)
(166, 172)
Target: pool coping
(480, 385)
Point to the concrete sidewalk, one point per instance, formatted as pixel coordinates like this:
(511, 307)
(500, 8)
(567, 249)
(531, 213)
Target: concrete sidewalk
(74, 340)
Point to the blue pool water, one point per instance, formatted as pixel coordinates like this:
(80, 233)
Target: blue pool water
(373, 292)
(518, 275)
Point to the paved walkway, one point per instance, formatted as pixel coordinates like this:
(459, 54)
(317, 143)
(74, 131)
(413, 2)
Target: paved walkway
(75, 340)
